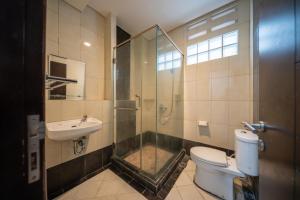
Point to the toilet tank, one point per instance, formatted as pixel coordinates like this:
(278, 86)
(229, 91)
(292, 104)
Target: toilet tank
(246, 152)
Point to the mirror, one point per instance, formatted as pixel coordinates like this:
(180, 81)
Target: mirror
(65, 79)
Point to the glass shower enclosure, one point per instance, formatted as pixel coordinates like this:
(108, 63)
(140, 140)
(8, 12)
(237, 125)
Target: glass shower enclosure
(148, 104)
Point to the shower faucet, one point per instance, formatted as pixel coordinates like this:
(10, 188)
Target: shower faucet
(162, 108)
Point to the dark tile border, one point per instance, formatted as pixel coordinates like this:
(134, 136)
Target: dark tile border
(65, 176)
(144, 190)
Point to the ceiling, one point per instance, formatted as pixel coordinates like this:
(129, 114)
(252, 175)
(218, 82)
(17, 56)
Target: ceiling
(136, 15)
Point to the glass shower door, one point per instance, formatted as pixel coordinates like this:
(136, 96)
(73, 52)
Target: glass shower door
(126, 107)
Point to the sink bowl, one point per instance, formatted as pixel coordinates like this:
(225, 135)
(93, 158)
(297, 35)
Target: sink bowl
(72, 129)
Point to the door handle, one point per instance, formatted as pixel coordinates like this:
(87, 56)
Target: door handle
(129, 109)
(256, 127)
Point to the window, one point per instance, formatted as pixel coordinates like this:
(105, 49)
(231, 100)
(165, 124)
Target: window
(169, 60)
(208, 37)
(217, 47)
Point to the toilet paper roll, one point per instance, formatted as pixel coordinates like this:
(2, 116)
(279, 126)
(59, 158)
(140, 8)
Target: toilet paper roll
(202, 123)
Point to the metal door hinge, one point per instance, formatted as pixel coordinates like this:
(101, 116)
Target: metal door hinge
(261, 145)
(42, 130)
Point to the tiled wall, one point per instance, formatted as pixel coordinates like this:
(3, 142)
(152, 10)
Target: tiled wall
(67, 29)
(218, 91)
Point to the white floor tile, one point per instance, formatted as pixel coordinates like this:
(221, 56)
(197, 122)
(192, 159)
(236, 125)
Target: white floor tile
(189, 192)
(87, 190)
(108, 175)
(133, 196)
(108, 186)
(190, 166)
(183, 179)
(173, 194)
(206, 195)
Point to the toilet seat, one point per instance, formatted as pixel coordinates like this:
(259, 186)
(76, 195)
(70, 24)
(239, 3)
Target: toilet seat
(215, 160)
(210, 156)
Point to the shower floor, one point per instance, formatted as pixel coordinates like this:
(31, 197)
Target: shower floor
(149, 162)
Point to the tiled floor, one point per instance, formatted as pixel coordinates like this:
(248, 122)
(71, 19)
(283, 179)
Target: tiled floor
(109, 186)
(149, 162)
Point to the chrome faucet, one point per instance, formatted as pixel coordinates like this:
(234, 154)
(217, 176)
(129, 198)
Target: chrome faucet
(84, 118)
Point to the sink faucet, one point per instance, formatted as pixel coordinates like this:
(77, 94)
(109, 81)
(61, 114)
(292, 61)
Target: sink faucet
(84, 118)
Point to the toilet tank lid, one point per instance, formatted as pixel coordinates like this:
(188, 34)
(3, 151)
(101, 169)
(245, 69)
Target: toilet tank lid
(246, 136)
(210, 155)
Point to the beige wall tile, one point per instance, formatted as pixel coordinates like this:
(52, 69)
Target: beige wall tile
(92, 88)
(51, 48)
(219, 134)
(219, 68)
(203, 70)
(240, 64)
(191, 110)
(53, 110)
(244, 35)
(239, 88)
(203, 110)
(107, 111)
(219, 112)
(220, 88)
(72, 109)
(68, 50)
(52, 26)
(93, 141)
(52, 5)
(190, 91)
(94, 109)
(52, 152)
(190, 130)
(190, 73)
(93, 21)
(67, 151)
(106, 135)
(203, 89)
(239, 111)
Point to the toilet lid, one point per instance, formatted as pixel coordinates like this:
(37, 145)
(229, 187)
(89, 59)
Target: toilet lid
(210, 155)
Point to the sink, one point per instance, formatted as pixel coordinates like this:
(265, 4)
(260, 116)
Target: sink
(72, 129)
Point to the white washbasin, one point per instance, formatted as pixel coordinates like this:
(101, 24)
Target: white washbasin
(72, 129)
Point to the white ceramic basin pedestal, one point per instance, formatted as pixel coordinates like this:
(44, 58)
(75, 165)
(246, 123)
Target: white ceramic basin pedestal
(72, 129)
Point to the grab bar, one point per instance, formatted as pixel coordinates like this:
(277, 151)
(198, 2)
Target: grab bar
(129, 109)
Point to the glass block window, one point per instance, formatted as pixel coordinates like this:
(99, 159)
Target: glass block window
(214, 48)
(169, 60)
(214, 36)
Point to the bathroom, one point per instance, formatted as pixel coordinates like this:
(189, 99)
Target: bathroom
(175, 100)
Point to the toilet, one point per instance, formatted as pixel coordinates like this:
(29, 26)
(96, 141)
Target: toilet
(215, 171)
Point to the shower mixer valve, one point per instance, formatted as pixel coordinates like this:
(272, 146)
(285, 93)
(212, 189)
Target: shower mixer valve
(163, 108)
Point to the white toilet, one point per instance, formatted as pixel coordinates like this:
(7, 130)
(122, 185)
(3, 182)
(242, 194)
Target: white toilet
(215, 171)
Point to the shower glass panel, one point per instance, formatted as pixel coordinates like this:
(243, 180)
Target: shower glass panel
(148, 106)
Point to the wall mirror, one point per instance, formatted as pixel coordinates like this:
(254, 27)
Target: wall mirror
(65, 79)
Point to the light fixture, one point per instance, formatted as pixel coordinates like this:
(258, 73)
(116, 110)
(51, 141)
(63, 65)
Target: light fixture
(87, 44)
